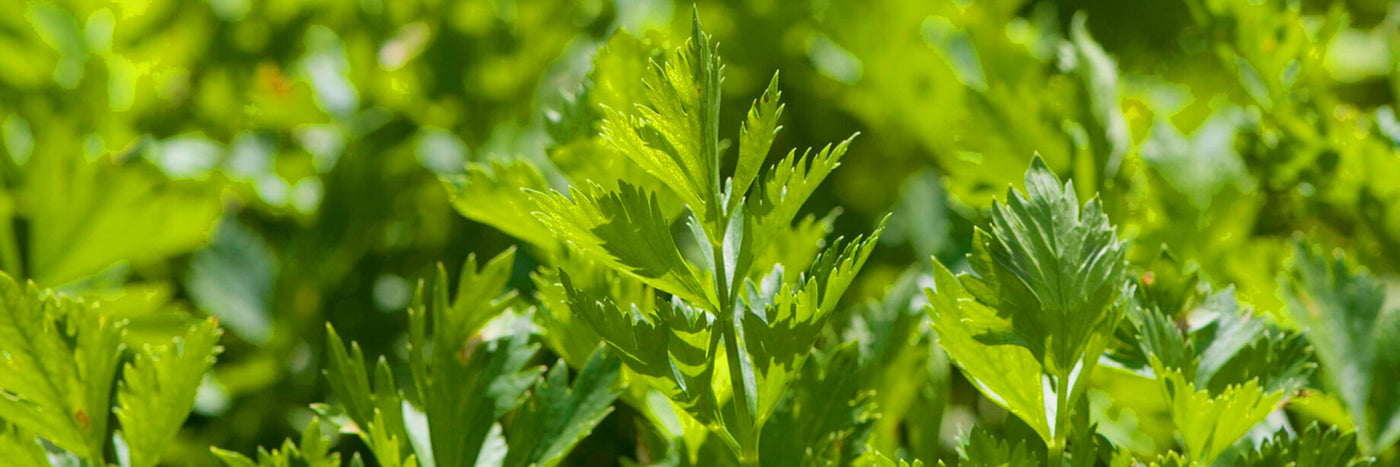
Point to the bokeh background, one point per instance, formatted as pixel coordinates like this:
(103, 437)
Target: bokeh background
(277, 164)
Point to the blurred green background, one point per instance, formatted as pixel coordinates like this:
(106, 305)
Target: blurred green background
(276, 164)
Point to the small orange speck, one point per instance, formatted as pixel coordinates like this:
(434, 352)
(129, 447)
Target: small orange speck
(1148, 278)
(273, 80)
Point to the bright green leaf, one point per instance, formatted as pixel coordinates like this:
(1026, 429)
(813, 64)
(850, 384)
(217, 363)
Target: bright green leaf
(626, 231)
(60, 357)
(158, 390)
(85, 216)
(20, 448)
(674, 134)
(672, 348)
(978, 448)
(1209, 424)
(312, 451)
(1313, 447)
(780, 327)
(828, 417)
(463, 383)
(557, 416)
(493, 195)
(756, 138)
(1358, 344)
(1007, 374)
(1054, 271)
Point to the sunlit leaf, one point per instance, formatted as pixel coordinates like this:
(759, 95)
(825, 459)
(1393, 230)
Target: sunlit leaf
(158, 390)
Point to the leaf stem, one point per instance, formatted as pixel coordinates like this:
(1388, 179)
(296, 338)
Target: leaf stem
(1057, 445)
(737, 356)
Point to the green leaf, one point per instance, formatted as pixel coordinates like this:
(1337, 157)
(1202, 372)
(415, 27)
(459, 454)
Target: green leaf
(1281, 361)
(388, 446)
(86, 215)
(903, 364)
(1172, 459)
(827, 418)
(462, 399)
(1228, 345)
(1053, 270)
(463, 383)
(1340, 312)
(786, 188)
(1225, 337)
(1158, 336)
(1314, 447)
(671, 346)
(1110, 139)
(479, 296)
(61, 358)
(1169, 286)
(978, 448)
(377, 410)
(1210, 424)
(755, 139)
(674, 134)
(780, 329)
(312, 451)
(1007, 374)
(794, 248)
(1049, 280)
(876, 459)
(494, 195)
(565, 333)
(626, 231)
(20, 448)
(557, 416)
(158, 390)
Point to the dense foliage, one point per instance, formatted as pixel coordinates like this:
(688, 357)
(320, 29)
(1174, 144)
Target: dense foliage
(1008, 233)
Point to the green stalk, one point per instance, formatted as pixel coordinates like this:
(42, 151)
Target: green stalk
(1057, 445)
(737, 356)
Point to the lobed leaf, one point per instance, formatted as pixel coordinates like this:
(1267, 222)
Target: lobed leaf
(1314, 447)
(672, 347)
(558, 416)
(60, 358)
(312, 451)
(1209, 424)
(978, 448)
(158, 390)
(827, 418)
(1007, 374)
(1054, 271)
(626, 231)
(1358, 344)
(779, 330)
(755, 139)
(463, 383)
(786, 188)
(376, 410)
(674, 133)
(565, 333)
(494, 195)
(88, 215)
